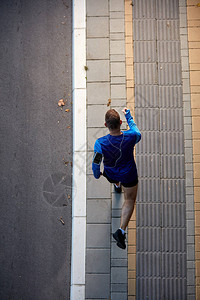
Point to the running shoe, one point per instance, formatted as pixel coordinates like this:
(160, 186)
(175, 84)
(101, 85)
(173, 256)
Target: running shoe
(118, 189)
(120, 238)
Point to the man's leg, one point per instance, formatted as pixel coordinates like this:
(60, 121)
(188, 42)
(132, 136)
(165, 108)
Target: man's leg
(130, 194)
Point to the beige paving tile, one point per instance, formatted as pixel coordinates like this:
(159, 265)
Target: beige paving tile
(131, 286)
(130, 94)
(130, 83)
(195, 89)
(128, 15)
(195, 67)
(194, 56)
(197, 175)
(197, 204)
(197, 192)
(196, 147)
(197, 230)
(131, 274)
(193, 13)
(196, 135)
(129, 29)
(196, 112)
(129, 61)
(129, 50)
(192, 2)
(193, 45)
(128, 7)
(193, 23)
(196, 158)
(197, 184)
(194, 77)
(195, 123)
(193, 34)
(198, 275)
(129, 39)
(132, 249)
(129, 72)
(131, 297)
(197, 255)
(132, 262)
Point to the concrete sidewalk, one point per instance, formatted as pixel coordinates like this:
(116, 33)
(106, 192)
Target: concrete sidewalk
(136, 56)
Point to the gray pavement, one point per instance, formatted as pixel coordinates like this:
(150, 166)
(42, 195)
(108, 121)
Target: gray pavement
(35, 214)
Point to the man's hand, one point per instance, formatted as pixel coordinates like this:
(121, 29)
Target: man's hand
(124, 110)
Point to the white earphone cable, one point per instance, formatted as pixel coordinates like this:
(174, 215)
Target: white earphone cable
(120, 150)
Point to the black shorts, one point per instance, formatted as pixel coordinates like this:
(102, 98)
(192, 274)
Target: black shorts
(125, 184)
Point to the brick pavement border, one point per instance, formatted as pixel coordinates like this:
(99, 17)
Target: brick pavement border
(189, 183)
(130, 105)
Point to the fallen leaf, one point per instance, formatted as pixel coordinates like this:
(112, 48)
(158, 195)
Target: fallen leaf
(67, 109)
(198, 4)
(68, 126)
(109, 102)
(61, 220)
(69, 197)
(86, 68)
(61, 102)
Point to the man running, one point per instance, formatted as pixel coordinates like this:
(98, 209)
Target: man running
(116, 149)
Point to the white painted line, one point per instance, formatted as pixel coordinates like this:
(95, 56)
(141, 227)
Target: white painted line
(77, 291)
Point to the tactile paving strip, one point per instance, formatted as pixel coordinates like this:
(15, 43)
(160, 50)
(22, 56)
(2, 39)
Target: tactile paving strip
(161, 207)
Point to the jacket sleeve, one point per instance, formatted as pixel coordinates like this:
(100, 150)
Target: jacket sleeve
(96, 164)
(132, 125)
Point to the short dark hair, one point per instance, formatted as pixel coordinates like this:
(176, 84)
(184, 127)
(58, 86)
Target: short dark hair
(112, 119)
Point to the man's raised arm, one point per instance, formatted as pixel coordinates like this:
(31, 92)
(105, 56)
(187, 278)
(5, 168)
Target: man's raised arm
(132, 124)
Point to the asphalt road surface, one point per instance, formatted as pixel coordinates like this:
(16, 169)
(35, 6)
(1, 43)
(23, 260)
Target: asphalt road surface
(36, 149)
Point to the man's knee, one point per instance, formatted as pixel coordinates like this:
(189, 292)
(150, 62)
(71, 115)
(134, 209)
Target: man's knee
(130, 195)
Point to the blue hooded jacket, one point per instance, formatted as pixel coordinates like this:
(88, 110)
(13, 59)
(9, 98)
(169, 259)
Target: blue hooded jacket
(117, 153)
